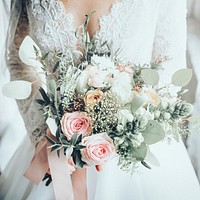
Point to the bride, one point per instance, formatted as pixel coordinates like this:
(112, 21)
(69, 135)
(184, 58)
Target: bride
(143, 30)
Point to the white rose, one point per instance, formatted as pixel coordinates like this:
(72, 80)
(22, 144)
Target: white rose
(145, 113)
(124, 116)
(103, 63)
(99, 78)
(122, 87)
(82, 84)
(138, 139)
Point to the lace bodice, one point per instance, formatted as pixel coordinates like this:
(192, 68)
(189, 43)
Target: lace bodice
(141, 29)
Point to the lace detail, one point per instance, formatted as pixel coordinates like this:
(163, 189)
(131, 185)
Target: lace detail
(170, 37)
(117, 19)
(51, 27)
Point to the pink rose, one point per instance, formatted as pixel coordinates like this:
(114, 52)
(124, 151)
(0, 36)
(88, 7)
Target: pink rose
(99, 149)
(75, 122)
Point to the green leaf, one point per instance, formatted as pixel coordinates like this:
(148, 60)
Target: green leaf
(150, 76)
(153, 133)
(58, 132)
(140, 152)
(182, 77)
(44, 95)
(45, 56)
(58, 153)
(69, 151)
(50, 140)
(74, 138)
(79, 139)
(145, 164)
(77, 159)
(56, 66)
(78, 147)
(41, 102)
(52, 87)
(54, 148)
(137, 103)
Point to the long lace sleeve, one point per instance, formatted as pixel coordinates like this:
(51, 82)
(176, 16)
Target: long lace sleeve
(170, 37)
(29, 109)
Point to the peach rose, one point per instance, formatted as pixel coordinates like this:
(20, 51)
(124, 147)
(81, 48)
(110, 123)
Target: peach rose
(99, 149)
(75, 122)
(153, 97)
(92, 97)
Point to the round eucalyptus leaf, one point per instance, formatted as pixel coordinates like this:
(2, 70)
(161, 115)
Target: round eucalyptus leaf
(140, 152)
(27, 52)
(17, 89)
(69, 151)
(137, 103)
(182, 77)
(150, 76)
(52, 125)
(151, 158)
(153, 133)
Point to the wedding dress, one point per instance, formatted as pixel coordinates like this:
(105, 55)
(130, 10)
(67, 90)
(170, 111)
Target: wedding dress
(142, 30)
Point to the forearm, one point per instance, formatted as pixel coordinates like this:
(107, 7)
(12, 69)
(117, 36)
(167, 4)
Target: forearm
(29, 109)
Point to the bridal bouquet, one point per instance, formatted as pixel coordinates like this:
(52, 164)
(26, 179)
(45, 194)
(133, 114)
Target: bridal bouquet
(98, 107)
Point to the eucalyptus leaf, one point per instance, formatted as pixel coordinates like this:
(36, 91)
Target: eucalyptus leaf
(145, 164)
(78, 147)
(58, 131)
(77, 159)
(74, 138)
(45, 56)
(52, 125)
(150, 76)
(69, 152)
(58, 153)
(151, 158)
(153, 133)
(56, 147)
(137, 103)
(17, 89)
(41, 102)
(56, 66)
(53, 89)
(140, 152)
(50, 140)
(27, 52)
(182, 77)
(44, 95)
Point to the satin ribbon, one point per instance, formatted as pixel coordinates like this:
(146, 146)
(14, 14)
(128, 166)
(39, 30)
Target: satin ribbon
(66, 187)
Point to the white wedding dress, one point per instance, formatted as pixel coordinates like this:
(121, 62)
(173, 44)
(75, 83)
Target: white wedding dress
(142, 30)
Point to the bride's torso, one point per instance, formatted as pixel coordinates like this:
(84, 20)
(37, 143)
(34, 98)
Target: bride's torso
(128, 24)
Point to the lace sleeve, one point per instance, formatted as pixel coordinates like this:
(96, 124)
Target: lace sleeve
(29, 109)
(170, 37)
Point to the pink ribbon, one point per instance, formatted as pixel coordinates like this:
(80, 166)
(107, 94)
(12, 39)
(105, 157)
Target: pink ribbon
(66, 187)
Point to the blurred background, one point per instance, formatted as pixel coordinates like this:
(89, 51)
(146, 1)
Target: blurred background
(12, 129)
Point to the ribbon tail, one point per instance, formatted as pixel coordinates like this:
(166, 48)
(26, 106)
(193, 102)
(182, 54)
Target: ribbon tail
(79, 184)
(60, 176)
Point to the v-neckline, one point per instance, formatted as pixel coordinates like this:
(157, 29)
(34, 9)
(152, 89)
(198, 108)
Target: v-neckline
(102, 18)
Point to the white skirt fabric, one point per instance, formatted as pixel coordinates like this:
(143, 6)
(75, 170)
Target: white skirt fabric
(173, 180)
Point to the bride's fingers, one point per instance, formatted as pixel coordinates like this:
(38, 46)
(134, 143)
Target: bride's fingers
(98, 168)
